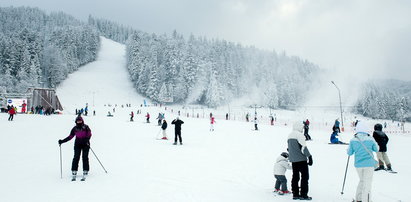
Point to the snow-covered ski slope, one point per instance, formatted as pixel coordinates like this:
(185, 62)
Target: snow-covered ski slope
(233, 163)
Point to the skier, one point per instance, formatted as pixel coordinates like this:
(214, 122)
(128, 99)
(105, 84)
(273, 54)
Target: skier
(86, 110)
(306, 128)
(23, 107)
(337, 126)
(11, 112)
(212, 122)
(132, 116)
(81, 145)
(177, 130)
(164, 127)
(280, 167)
(272, 120)
(362, 145)
(226, 116)
(255, 123)
(247, 117)
(160, 118)
(148, 117)
(298, 156)
(382, 139)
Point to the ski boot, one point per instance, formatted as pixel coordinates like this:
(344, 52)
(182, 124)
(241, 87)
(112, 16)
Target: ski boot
(85, 173)
(73, 175)
(381, 167)
(175, 143)
(181, 143)
(307, 198)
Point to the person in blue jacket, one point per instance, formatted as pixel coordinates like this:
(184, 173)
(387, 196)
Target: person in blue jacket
(334, 139)
(362, 145)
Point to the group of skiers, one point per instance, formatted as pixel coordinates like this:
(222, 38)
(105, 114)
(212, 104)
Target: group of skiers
(361, 146)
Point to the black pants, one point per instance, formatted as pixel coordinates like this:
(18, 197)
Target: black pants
(11, 117)
(78, 149)
(255, 127)
(300, 168)
(307, 136)
(178, 134)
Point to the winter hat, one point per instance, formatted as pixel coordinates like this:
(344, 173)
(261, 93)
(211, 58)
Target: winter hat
(178, 118)
(362, 127)
(378, 127)
(284, 154)
(79, 118)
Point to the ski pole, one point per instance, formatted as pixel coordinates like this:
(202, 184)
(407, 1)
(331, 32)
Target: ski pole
(345, 175)
(98, 160)
(158, 133)
(61, 166)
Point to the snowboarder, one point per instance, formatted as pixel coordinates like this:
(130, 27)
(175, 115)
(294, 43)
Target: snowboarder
(82, 133)
(255, 123)
(11, 112)
(382, 139)
(212, 122)
(280, 167)
(132, 116)
(306, 128)
(177, 130)
(298, 155)
(164, 127)
(362, 145)
(148, 117)
(334, 139)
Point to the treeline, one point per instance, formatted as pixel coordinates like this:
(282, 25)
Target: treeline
(385, 99)
(40, 50)
(215, 72)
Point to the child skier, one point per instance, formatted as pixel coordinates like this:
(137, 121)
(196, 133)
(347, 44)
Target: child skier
(280, 167)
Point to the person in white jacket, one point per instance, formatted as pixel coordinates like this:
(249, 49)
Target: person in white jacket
(280, 167)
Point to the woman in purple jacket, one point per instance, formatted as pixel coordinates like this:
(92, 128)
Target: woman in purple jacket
(81, 145)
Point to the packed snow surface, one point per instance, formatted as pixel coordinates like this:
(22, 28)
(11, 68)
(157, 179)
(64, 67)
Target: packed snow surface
(232, 163)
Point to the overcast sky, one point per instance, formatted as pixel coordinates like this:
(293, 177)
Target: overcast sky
(366, 37)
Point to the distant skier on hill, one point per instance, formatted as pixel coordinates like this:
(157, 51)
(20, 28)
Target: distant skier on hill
(212, 122)
(132, 116)
(82, 133)
(148, 117)
(306, 128)
(11, 112)
(337, 126)
(255, 123)
(160, 117)
(177, 130)
(164, 127)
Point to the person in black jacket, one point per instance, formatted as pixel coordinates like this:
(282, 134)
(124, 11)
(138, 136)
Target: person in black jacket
(177, 122)
(81, 145)
(164, 127)
(382, 139)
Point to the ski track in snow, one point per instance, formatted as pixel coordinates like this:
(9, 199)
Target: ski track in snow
(232, 163)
